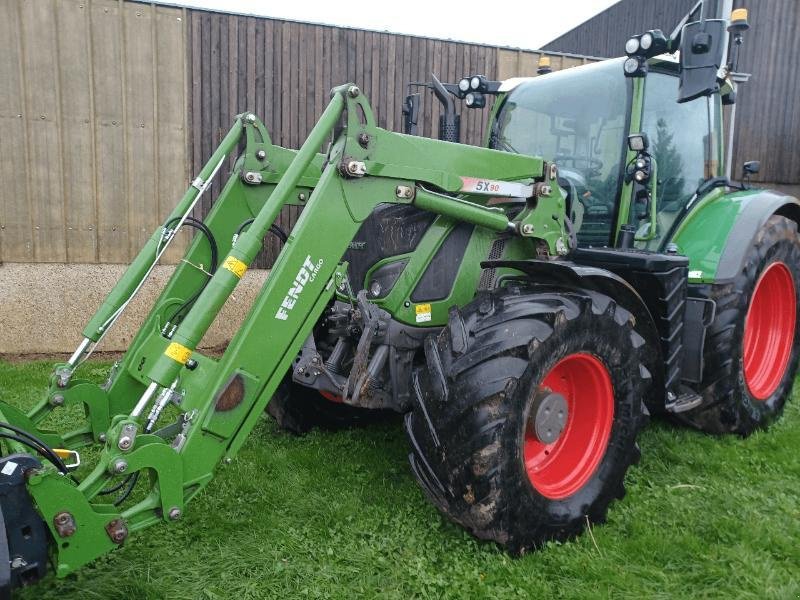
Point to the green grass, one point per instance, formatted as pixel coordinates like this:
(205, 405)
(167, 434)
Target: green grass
(339, 516)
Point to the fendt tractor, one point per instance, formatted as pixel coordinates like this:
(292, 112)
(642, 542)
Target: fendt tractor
(525, 305)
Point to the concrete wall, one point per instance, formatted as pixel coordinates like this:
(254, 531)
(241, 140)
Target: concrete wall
(44, 307)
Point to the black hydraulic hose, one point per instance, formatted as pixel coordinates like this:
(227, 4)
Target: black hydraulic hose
(275, 229)
(203, 228)
(32, 441)
(115, 488)
(212, 242)
(57, 462)
(132, 480)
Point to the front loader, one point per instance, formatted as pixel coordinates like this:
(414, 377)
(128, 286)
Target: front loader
(524, 305)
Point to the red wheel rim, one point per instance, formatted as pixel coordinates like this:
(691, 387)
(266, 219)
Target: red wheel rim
(330, 396)
(769, 330)
(562, 468)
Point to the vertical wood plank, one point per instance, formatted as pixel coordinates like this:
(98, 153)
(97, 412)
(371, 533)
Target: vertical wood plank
(171, 106)
(112, 208)
(76, 127)
(140, 150)
(16, 242)
(44, 143)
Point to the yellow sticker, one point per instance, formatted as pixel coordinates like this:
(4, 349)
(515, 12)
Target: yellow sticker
(178, 353)
(235, 266)
(423, 313)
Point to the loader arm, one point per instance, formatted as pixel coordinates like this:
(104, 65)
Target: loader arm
(170, 414)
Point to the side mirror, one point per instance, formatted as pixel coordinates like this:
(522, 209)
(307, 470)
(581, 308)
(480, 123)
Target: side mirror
(751, 167)
(701, 58)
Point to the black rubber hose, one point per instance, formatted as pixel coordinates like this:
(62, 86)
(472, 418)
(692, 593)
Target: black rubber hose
(203, 228)
(274, 228)
(212, 242)
(132, 480)
(33, 442)
(115, 488)
(57, 462)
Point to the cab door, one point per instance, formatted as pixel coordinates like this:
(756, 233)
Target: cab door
(685, 141)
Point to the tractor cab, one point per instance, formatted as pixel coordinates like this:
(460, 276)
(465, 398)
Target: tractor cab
(582, 118)
(637, 140)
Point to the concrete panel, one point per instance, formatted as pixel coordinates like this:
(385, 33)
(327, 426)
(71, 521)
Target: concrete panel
(44, 307)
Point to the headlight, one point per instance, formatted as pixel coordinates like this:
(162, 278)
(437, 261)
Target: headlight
(646, 41)
(632, 45)
(640, 176)
(640, 164)
(463, 85)
(375, 289)
(469, 99)
(631, 65)
(475, 83)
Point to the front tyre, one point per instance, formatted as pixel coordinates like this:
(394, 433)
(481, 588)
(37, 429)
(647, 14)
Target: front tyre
(527, 415)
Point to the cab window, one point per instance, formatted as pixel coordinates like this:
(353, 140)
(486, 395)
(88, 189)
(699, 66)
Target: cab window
(683, 143)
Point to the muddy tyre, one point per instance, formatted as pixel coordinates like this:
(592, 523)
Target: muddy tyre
(752, 346)
(527, 414)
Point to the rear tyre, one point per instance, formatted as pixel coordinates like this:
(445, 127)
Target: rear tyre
(527, 416)
(299, 409)
(753, 345)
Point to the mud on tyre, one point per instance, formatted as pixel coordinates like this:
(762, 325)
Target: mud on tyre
(485, 448)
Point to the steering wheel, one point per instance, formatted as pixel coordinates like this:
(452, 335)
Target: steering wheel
(591, 164)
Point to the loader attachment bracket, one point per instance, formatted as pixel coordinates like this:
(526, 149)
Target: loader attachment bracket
(23, 534)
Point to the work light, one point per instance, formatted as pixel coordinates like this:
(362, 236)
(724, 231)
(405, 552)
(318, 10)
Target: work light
(475, 100)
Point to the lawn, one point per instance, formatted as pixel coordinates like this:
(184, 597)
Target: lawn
(338, 515)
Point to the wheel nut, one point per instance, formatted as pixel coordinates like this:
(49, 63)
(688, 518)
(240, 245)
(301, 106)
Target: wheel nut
(120, 466)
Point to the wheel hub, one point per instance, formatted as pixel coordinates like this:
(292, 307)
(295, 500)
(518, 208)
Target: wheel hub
(549, 415)
(580, 397)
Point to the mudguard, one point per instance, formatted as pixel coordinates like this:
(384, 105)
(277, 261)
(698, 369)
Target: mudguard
(567, 274)
(718, 231)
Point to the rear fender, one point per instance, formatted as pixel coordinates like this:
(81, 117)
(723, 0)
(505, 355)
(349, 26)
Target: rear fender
(719, 230)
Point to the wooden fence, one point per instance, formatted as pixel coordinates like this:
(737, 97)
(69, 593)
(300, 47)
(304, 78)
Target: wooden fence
(108, 107)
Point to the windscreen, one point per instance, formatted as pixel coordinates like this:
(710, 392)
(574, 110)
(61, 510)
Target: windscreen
(578, 118)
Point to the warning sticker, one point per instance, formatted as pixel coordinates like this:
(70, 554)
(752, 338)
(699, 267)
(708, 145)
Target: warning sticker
(178, 353)
(9, 468)
(423, 313)
(235, 266)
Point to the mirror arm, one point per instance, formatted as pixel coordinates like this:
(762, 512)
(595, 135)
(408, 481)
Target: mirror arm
(675, 36)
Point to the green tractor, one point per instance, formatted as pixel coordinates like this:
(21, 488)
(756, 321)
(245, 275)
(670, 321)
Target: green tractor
(525, 305)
